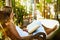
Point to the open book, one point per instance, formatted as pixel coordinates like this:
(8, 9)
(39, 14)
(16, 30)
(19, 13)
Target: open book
(33, 26)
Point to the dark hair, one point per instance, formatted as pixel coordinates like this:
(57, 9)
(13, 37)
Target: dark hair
(5, 14)
(7, 9)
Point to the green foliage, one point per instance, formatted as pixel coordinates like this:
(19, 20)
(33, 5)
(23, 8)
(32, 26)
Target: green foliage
(59, 1)
(0, 35)
(48, 1)
(19, 11)
(1, 3)
(39, 7)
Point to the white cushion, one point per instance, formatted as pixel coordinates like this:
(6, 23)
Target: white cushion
(49, 23)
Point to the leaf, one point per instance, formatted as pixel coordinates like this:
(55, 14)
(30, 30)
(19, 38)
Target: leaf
(48, 1)
(0, 35)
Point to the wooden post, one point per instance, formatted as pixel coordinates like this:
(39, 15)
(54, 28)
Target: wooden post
(34, 8)
(8, 3)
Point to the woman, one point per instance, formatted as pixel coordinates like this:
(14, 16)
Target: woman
(13, 31)
(6, 21)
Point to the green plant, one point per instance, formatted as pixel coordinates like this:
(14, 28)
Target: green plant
(19, 11)
(0, 35)
(2, 3)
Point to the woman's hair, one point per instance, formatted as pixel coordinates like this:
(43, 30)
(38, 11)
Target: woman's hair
(7, 9)
(5, 14)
